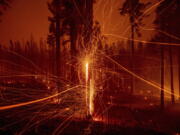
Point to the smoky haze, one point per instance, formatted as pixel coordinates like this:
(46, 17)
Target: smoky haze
(30, 18)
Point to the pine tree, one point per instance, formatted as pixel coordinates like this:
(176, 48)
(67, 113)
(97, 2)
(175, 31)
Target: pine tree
(134, 9)
(167, 21)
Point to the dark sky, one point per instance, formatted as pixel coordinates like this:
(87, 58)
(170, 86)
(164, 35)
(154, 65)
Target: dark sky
(29, 17)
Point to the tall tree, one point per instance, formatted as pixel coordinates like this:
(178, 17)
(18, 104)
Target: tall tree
(134, 9)
(80, 27)
(168, 22)
(171, 75)
(56, 9)
(179, 72)
(73, 18)
(162, 77)
(4, 4)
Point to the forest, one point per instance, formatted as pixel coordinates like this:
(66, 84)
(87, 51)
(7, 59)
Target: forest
(82, 79)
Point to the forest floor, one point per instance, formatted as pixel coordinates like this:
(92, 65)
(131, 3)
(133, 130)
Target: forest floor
(114, 116)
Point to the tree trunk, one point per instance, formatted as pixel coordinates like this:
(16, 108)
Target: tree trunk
(57, 46)
(162, 77)
(73, 36)
(171, 75)
(88, 21)
(132, 57)
(179, 74)
(58, 67)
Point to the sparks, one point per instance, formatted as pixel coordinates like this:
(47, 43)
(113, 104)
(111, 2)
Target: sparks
(91, 97)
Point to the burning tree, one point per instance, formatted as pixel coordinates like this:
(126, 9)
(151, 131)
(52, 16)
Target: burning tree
(70, 27)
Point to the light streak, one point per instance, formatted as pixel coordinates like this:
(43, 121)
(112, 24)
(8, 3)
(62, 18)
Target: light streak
(91, 97)
(35, 101)
(141, 41)
(89, 91)
(160, 31)
(89, 81)
(87, 72)
(149, 9)
(28, 75)
(140, 78)
(87, 86)
(145, 12)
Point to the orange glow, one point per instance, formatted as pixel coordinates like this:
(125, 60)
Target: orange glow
(87, 78)
(35, 101)
(89, 90)
(91, 97)
(87, 71)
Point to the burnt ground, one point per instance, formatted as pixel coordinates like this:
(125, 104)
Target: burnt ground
(118, 115)
(117, 121)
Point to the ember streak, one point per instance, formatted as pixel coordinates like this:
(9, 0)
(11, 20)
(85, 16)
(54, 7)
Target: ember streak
(103, 67)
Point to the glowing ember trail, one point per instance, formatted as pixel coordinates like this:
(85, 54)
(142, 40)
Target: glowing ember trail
(91, 97)
(35, 101)
(87, 81)
(87, 72)
(89, 91)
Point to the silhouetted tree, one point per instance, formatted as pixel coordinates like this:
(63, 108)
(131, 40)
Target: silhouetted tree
(179, 72)
(167, 21)
(171, 74)
(55, 7)
(134, 9)
(4, 4)
(162, 77)
(72, 19)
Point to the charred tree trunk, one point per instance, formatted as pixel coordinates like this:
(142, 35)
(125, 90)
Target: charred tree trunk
(73, 38)
(58, 67)
(162, 77)
(179, 73)
(171, 75)
(88, 21)
(132, 54)
(57, 47)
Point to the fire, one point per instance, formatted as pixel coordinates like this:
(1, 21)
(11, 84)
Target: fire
(89, 90)
(87, 78)
(87, 72)
(91, 97)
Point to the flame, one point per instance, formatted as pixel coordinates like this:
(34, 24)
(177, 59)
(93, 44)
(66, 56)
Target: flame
(91, 97)
(89, 93)
(87, 72)
(87, 78)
